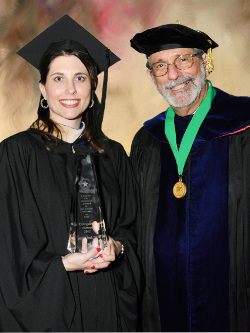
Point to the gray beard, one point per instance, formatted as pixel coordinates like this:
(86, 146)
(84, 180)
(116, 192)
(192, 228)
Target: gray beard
(188, 96)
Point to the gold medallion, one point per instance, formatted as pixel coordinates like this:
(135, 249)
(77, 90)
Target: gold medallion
(179, 189)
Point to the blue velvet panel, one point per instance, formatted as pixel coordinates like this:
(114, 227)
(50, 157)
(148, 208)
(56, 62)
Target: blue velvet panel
(191, 241)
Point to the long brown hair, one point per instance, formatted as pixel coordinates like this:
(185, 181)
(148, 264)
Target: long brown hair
(49, 129)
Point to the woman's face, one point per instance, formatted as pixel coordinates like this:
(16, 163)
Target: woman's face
(67, 90)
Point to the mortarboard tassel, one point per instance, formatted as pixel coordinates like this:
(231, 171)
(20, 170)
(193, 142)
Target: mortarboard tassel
(104, 88)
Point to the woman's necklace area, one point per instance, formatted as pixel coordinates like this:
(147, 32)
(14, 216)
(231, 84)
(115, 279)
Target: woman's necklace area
(70, 134)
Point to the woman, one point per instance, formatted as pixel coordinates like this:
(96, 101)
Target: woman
(43, 286)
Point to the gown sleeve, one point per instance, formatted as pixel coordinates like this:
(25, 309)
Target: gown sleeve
(239, 230)
(145, 160)
(127, 269)
(34, 288)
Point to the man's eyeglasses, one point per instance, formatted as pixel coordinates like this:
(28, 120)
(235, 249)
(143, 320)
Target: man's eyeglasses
(183, 61)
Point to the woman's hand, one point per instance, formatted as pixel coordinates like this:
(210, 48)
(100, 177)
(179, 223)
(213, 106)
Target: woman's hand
(105, 258)
(84, 261)
(80, 261)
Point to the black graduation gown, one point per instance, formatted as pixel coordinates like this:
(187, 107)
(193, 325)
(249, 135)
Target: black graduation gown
(36, 293)
(195, 251)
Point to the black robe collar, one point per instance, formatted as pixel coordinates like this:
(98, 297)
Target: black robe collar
(228, 115)
(80, 145)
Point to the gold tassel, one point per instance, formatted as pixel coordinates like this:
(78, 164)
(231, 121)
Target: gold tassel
(210, 61)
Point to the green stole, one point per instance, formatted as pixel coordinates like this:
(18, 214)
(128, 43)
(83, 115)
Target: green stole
(189, 136)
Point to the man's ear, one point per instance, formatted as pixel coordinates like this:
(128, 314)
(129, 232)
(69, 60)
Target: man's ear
(149, 74)
(43, 90)
(204, 57)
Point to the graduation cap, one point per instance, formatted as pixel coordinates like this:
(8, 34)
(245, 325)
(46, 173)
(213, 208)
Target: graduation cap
(67, 34)
(171, 36)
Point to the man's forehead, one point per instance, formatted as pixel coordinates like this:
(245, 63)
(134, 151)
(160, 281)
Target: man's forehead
(170, 53)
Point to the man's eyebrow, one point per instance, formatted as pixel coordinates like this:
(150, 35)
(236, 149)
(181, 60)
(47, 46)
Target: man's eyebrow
(164, 60)
(159, 60)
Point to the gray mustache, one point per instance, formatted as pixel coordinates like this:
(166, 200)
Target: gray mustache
(178, 81)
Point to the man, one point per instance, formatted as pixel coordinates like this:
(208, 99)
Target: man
(192, 165)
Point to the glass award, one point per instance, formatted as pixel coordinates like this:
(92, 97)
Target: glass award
(87, 226)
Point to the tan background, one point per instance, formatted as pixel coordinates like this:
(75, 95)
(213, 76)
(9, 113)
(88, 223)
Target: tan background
(131, 97)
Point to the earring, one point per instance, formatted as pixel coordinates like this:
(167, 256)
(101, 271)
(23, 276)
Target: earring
(41, 103)
(92, 102)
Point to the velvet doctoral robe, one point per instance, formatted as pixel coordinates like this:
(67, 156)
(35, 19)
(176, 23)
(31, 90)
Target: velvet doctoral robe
(36, 292)
(195, 251)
